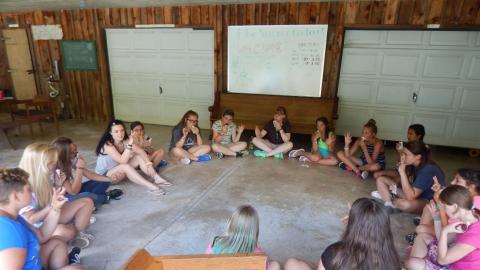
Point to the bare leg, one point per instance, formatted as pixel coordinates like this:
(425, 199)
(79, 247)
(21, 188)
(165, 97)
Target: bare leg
(262, 144)
(413, 206)
(137, 161)
(420, 246)
(178, 153)
(294, 264)
(282, 148)
(54, 254)
(157, 156)
(349, 161)
(216, 147)
(389, 173)
(78, 212)
(199, 150)
(383, 187)
(132, 175)
(65, 232)
(316, 158)
(273, 265)
(238, 146)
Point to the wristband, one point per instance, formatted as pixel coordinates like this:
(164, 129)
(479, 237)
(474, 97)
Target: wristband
(439, 206)
(148, 163)
(55, 209)
(346, 148)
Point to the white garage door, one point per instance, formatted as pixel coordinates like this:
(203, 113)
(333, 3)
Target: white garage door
(404, 77)
(159, 74)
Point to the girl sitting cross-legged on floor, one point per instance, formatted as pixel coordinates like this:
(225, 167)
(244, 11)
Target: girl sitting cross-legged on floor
(226, 137)
(323, 145)
(241, 235)
(372, 156)
(187, 143)
(278, 132)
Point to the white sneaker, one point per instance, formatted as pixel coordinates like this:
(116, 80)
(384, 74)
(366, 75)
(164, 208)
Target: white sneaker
(364, 175)
(294, 153)
(376, 195)
(185, 161)
(303, 159)
(93, 219)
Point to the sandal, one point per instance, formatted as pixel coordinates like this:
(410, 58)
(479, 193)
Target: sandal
(161, 182)
(158, 192)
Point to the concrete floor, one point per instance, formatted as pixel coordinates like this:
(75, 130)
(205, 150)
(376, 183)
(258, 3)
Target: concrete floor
(299, 207)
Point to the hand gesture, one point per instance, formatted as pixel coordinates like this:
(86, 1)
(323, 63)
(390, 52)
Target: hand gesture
(455, 227)
(224, 128)
(258, 132)
(277, 125)
(362, 144)
(316, 135)
(437, 188)
(432, 208)
(401, 164)
(348, 139)
(240, 128)
(399, 146)
(130, 138)
(58, 198)
(80, 164)
(185, 131)
(195, 130)
(344, 220)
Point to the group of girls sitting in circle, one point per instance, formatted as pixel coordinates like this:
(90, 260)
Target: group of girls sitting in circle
(46, 204)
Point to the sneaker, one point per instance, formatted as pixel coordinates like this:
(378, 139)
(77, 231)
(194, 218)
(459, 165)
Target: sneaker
(219, 155)
(391, 209)
(410, 238)
(364, 175)
(114, 194)
(303, 159)
(160, 165)
(416, 221)
(376, 196)
(74, 256)
(80, 242)
(243, 153)
(205, 157)
(278, 156)
(342, 165)
(185, 161)
(93, 219)
(260, 153)
(294, 153)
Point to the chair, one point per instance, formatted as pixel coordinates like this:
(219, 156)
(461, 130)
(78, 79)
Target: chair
(142, 260)
(38, 109)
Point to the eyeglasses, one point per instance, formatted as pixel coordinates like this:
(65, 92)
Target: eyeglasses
(192, 120)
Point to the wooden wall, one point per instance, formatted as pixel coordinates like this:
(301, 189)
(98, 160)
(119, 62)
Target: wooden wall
(90, 93)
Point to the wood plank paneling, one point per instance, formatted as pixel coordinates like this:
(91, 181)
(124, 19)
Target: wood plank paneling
(89, 93)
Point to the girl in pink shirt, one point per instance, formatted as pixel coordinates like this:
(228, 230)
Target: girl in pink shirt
(464, 252)
(241, 235)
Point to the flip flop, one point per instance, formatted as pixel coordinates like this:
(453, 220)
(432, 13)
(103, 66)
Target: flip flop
(164, 184)
(159, 192)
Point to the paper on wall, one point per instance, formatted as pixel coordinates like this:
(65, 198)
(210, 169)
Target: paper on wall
(47, 32)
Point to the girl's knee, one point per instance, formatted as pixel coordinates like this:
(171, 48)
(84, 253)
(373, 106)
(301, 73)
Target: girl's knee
(243, 145)
(215, 147)
(291, 264)
(340, 154)
(206, 148)
(289, 145)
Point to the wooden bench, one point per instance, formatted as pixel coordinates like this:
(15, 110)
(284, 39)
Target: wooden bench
(142, 260)
(253, 110)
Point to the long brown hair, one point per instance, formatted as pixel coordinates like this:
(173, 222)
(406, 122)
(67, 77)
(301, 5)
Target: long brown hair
(185, 117)
(62, 144)
(367, 242)
(418, 148)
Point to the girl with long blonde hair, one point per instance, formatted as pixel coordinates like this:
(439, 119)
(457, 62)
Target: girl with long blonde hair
(241, 235)
(40, 162)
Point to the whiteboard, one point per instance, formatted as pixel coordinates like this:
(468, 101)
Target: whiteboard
(282, 60)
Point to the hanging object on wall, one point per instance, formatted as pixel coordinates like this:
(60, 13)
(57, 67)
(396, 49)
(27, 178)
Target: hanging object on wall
(47, 32)
(79, 55)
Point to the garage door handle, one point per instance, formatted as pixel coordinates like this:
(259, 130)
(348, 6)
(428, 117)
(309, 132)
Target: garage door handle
(414, 97)
(160, 89)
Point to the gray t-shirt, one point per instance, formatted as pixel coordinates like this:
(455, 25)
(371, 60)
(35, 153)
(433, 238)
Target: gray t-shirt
(227, 136)
(177, 134)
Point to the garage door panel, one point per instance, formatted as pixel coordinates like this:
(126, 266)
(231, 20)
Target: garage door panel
(198, 41)
(391, 123)
(174, 87)
(470, 99)
(352, 119)
(121, 63)
(172, 41)
(467, 128)
(119, 39)
(474, 68)
(405, 37)
(123, 85)
(443, 66)
(361, 62)
(356, 91)
(436, 125)
(395, 93)
(449, 38)
(398, 64)
(437, 96)
(363, 37)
